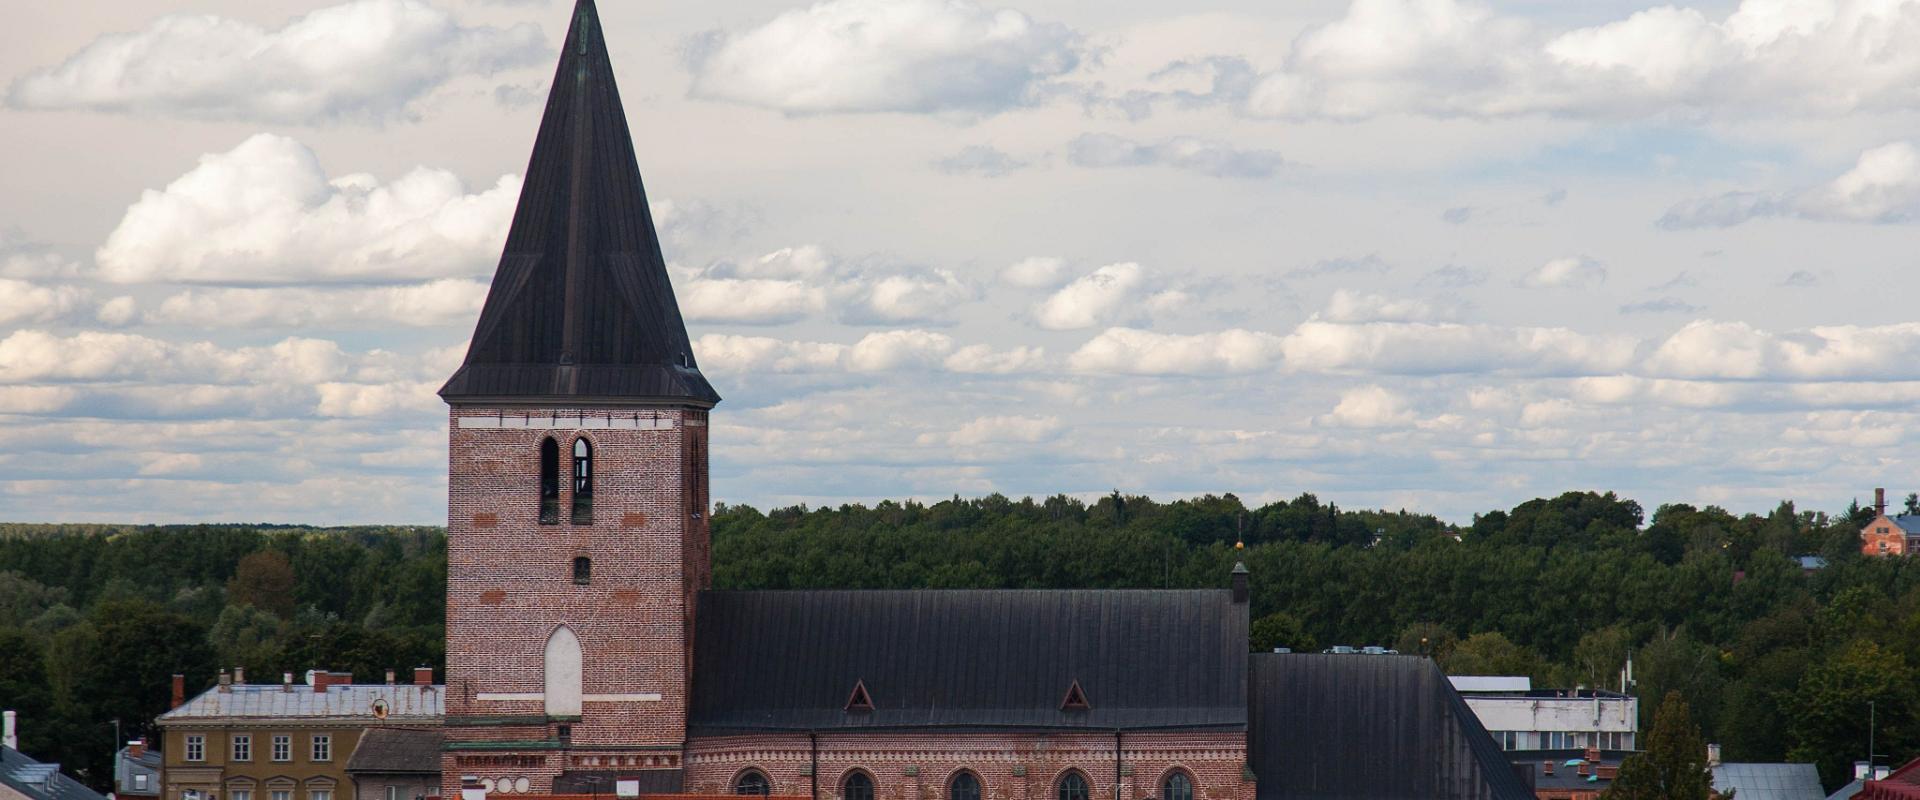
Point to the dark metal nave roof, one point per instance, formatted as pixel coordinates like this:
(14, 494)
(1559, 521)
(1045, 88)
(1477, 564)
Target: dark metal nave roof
(1348, 727)
(581, 308)
(969, 659)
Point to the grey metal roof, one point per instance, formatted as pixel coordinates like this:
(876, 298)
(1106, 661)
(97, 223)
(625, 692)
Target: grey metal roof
(969, 659)
(1909, 523)
(39, 781)
(1769, 781)
(388, 750)
(581, 307)
(404, 702)
(1848, 791)
(1366, 726)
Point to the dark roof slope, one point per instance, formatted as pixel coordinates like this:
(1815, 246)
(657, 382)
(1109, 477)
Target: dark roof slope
(581, 307)
(388, 750)
(1363, 726)
(969, 659)
(40, 781)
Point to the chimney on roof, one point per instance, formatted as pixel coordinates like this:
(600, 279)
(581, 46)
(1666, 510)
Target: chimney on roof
(179, 691)
(9, 733)
(1862, 770)
(226, 682)
(1713, 755)
(137, 749)
(240, 676)
(423, 676)
(318, 680)
(286, 681)
(389, 677)
(1880, 501)
(1240, 582)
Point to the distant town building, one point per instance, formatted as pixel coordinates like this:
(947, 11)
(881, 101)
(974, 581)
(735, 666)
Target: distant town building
(285, 741)
(136, 771)
(1895, 535)
(1568, 774)
(1521, 717)
(22, 778)
(396, 764)
(1768, 781)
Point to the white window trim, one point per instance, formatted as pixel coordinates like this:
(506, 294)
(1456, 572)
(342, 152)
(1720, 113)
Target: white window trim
(196, 748)
(282, 743)
(321, 747)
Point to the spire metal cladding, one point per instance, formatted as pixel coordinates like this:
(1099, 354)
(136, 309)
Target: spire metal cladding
(581, 310)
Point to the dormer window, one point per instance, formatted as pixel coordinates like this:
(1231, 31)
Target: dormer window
(549, 482)
(582, 481)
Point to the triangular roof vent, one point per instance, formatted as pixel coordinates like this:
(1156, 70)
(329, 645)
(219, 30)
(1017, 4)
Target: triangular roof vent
(1076, 699)
(859, 701)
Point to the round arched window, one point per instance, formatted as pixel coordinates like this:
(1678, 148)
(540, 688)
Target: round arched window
(1073, 787)
(753, 782)
(965, 786)
(859, 786)
(1177, 787)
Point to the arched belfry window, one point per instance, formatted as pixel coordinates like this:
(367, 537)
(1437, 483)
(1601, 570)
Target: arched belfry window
(1177, 786)
(965, 786)
(858, 786)
(564, 669)
(1073, 787)
(753, 782)
(549, 482)
(582, 481)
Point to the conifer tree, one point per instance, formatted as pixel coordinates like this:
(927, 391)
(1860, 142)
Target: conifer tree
(1674, 764)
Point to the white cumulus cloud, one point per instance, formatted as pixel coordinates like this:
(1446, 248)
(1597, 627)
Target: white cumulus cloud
(1100, 296)
(363, 61)
(1130, 351)
(1882, 187)
(265, 212)
(1190, 153)
(885, 55)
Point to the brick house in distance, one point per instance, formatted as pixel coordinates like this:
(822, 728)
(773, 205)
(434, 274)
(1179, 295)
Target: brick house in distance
(1886, 535)
(587, 655)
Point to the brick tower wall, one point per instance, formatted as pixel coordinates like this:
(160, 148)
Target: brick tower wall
(510, 585)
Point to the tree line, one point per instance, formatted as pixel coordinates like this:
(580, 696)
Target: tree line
(1776, 662)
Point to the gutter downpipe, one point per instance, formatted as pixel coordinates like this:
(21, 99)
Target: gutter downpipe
(813, 748)
(1116, 764)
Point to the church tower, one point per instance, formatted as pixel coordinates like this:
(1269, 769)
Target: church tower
(577, 485)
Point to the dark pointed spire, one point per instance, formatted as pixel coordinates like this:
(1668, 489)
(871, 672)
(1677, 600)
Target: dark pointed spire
(581, 309)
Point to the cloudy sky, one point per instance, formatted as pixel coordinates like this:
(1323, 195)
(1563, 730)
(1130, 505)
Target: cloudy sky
(1438, 254)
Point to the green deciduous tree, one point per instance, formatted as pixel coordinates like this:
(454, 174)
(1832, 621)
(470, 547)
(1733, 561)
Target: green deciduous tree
(1280, 629)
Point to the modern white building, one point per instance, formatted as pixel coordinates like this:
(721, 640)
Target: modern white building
(1521, 717)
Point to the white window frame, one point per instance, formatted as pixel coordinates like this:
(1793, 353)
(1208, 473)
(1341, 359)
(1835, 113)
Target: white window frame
(282, 749)
(196, 747)
(239, 794)
(140, 781)
(280, 794)
(319, 794)
(242, 747)
(322, 749)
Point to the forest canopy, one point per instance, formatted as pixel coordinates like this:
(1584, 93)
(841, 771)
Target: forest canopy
(1776, 661)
